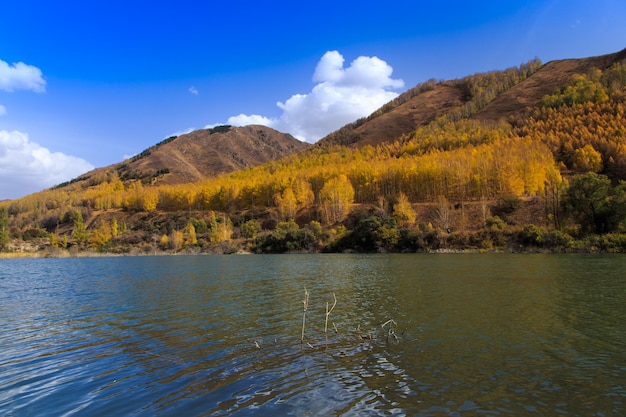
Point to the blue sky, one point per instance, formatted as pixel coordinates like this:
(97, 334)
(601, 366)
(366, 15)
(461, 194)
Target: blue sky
(86, 84)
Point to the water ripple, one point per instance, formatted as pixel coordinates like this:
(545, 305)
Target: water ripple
(216, 336)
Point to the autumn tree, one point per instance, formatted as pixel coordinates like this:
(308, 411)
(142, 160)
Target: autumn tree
(164, 242)
(80, 232)
(554, 189)
(190, 235)
(176, 240)
(4, 228)
(101, 236)
(303, 192)
(220, 228)
(140, 198)
(336, 197)
(403, 211)
(587, 159)
(286, 204)
(115, 230)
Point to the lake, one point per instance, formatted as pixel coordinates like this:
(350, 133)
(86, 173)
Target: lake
(419, 335)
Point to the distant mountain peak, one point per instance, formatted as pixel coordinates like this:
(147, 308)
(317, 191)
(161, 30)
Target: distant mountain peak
(206, 153)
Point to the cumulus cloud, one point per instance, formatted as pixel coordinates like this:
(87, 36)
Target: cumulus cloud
(21, 76)
(341, 95)
(252, 119)
(27, 167)
(193, 90)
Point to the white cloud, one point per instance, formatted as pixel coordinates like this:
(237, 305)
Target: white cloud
(27, 167)
(341, 95)
(252, 119)
(193, 90)
(21, 76)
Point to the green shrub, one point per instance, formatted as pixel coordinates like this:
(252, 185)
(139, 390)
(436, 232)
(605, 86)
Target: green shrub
(557, 239)
(250, 229)
(287, 237)
(495, 222)
(531, 235)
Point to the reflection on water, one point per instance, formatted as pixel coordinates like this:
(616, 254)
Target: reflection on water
(489, 334)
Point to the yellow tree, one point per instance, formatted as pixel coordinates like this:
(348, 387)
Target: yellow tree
(191, 238)
(221, 228)
(150, 200)
(164, 243)
(287, 204)
(140, 198)
(101, 236)
(80, 232)
(176, 240)
(114, 227)
(403, 211)
(303, 192)
(336, 197)
(587, 159)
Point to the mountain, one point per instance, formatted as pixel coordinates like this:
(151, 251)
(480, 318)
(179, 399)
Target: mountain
(207, 153)
(492, 96)
(552, 76)
(527, 157)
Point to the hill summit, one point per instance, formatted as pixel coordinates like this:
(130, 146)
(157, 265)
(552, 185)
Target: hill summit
(206, 153)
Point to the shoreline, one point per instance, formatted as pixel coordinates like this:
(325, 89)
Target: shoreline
(440, 251)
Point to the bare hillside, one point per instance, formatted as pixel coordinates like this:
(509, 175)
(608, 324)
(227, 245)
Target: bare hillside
(209, 152)
(550, 77)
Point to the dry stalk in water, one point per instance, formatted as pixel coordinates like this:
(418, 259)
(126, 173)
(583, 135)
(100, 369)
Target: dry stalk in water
(392, 328)
(328, 313)
(305, 303)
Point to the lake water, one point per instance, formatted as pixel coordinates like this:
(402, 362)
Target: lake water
(481, 334)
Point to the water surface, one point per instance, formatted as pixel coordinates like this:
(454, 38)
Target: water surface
(488, 334)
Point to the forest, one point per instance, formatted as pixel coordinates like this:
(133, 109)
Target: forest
(552, 179)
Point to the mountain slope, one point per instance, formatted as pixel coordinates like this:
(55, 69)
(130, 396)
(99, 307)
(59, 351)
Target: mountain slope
(550, 77)
(416, 107)
(417, 111)
(208, 152)
(493, 96)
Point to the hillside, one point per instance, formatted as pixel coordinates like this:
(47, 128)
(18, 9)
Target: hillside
(552, 76)
(206, 153)
(417, 107)
(488, 97)
(527, 158)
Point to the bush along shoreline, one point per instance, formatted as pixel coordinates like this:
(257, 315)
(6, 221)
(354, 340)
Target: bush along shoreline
(428, 228)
